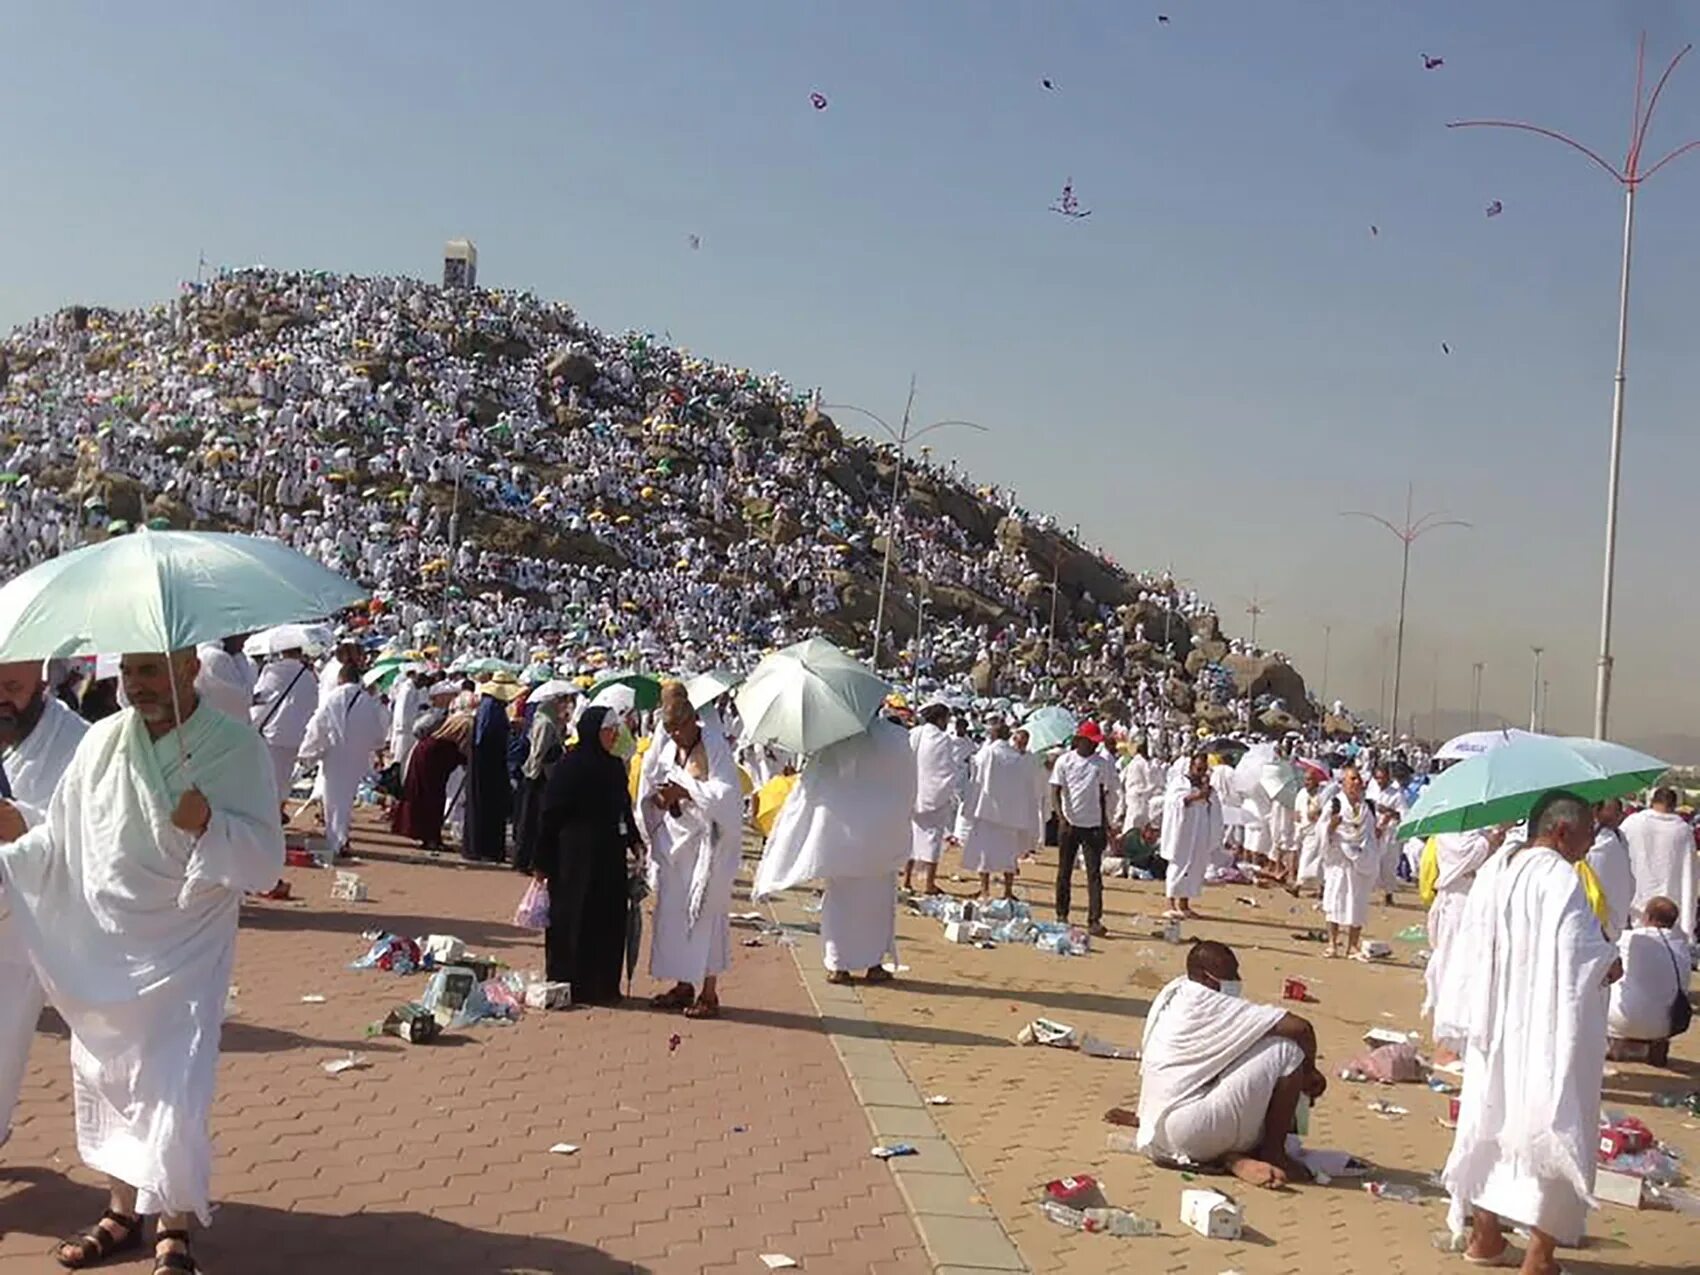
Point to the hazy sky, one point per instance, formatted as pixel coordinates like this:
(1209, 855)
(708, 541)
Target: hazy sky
(1205, 371)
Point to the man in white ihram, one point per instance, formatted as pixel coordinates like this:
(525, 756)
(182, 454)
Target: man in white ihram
(1191, 832)
(938, 785)
(127, 897)
(285, 696)
(1221, 1078)
(404, 712)
(1658, 965)
(1001, 806)
(342, 736)
(689, 806)
(1661, 857)
(847, 824)
(1609, 858)
(1526, 999)
(39, 735)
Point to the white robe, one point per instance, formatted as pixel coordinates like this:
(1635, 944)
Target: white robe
(847, 823)
(33, 768)
(1005, 787)
(1142, 786)
(1191, 835)
(1610, 861)
(938, 789)
(694, 856)
(1657, 965)
(1460, 855)
(1308, 810)
(1661, 858)
(132, 924)
(1391, 805)
(342, 736)
(282, 724)
(403, 713)
(1351, 864)
(225, 681)
(1526, 994)
(1196, 1039)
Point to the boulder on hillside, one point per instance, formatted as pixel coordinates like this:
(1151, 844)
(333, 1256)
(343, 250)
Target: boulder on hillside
(574, 367)
(1276, 722)
(1257, 676)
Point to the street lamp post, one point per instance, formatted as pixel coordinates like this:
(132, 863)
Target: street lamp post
(902, 437)
(1327, 642)
(1254, 609)
(1629, 176)
(1476, 696)
(1535, 691)
(1408, 534)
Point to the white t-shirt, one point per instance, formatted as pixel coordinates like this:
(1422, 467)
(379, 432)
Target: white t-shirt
(1656, 965)
(1082, 779)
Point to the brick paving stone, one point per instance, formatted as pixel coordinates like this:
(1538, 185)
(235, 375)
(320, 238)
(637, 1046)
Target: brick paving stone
(1021, 1116)
(435, 1158)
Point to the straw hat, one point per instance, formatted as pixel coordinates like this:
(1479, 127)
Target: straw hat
(503, 686)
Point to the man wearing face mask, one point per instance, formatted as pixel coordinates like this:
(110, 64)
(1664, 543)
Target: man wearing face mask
(1221, 1078)
(38, 735)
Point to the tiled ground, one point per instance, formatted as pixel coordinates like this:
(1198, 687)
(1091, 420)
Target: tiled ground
(1022, 1116)
(436, 1157)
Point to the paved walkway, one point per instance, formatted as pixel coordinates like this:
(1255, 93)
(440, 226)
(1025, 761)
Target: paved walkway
(1020, 1117)
(746, 1139)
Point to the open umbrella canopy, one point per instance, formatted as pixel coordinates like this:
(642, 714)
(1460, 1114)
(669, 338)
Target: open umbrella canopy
(162, 591)
(1261, 768)
(382, 675)
(1049, 728)
(1503, 784)
(645, 687)
(707, 687)
(809, 696)
(555, 688)
(311, 639)
(1476, 742)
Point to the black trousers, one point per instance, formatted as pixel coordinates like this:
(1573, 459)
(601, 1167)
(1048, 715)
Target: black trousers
(1069, 841)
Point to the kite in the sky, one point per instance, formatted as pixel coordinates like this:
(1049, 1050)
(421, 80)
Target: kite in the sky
(1432, 64)
(1375, 230)
(696, 241)
(1067, 205)
(1495, 208)
(1048, 85)
(818, 101)
(1163, 18)
(1445, 348)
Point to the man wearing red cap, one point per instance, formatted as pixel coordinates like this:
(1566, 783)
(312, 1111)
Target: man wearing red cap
(1082, 782)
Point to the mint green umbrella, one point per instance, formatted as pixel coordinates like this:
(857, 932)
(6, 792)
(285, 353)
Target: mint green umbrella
(809, 696)
(162, 591)
(1049, 728)
(645, 687)
(1503, 785)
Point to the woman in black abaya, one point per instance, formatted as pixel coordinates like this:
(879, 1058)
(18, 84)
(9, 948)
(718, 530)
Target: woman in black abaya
(582, 852)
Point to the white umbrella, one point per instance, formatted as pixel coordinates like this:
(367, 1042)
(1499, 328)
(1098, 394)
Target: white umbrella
(555, 688)
(162, 591)
(313, 639)
(1262, 769)
(1476, 742)
(707, 687)
(809, 696)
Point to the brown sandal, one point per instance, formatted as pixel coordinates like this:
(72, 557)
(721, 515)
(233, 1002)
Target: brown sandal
(96, 1245)
(672, 998)
(173, 1262)
(704, 1008)
(838, 976)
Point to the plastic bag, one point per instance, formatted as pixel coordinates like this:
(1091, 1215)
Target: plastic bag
(533, 910)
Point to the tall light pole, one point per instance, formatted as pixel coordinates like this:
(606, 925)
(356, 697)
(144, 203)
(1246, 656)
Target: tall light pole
(1254, 609)
(1327, 642)
(1412, 531)
(1476, 696)
(902, 437)
(1535, 691)
(1629, 176)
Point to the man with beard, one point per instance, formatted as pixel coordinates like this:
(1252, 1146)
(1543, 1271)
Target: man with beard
(38, 735)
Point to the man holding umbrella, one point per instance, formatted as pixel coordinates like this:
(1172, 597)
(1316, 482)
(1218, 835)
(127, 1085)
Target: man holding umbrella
(127, 896)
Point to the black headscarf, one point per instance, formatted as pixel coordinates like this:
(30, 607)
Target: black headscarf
(588, 793)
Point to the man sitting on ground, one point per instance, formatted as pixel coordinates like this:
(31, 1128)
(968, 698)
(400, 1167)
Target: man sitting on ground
(1657, 967)
(1221, 1078)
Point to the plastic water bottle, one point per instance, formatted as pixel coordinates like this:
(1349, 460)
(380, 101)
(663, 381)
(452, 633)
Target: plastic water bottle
(1117, 1222)
(1393, 1191)
(1117, 1140)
